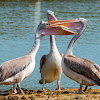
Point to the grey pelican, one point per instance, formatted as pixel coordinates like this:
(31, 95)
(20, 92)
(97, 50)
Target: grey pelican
(81, 70)
(50, 64)
(12, 72)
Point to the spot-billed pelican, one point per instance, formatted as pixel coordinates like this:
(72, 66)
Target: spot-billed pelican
(81, 70)
(50, 64)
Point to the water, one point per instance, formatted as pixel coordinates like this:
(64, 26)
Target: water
(18, 22)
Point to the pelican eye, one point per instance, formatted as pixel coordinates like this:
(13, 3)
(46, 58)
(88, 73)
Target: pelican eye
(61, 27)
(48, 24)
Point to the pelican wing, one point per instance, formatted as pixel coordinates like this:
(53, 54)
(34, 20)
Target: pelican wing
(12, 67)
(84, 67)
(42, 61)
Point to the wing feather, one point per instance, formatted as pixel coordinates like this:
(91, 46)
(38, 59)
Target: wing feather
(84, 67)
(12, 67)
(42, 61)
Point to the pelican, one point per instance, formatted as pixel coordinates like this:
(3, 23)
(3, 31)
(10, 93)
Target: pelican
(12, 72)
(50, 64)
(83, 71)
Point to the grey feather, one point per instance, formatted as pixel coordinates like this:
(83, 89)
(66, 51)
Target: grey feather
(12, 67)
(42, 61)
(84, 67)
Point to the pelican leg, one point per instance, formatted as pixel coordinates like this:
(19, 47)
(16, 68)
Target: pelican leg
(85, 88)
(58, 83)
(14, 88)
(19, 88)
(80, 90)
(43, 84)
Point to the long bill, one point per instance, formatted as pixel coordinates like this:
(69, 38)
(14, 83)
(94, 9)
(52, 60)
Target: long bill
(63, 27)
(73, 24)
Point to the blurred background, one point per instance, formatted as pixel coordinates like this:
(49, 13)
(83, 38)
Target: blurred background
(19, 20)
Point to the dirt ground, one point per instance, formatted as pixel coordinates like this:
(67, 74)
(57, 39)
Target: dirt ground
(69, 94)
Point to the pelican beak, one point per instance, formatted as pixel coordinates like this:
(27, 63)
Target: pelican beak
(70, 24)
(61, 27)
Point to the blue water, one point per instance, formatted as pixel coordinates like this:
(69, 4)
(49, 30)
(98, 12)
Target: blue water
(18, 22)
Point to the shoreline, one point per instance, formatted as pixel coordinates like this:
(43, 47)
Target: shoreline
(64, 94)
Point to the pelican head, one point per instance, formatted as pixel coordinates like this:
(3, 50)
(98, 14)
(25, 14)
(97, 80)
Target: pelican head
(42, 25)
(83, 26)
(51, 16)
(83, 20)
